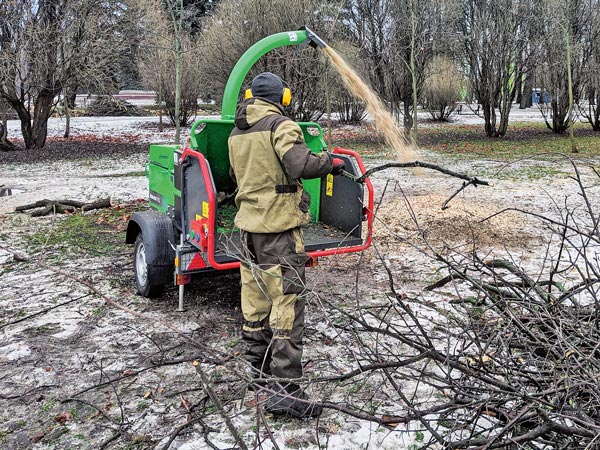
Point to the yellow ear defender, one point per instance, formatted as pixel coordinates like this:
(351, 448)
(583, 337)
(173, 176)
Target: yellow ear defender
(286, 98)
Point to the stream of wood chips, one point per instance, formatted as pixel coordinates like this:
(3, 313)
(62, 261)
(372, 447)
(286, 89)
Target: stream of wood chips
(382, 118)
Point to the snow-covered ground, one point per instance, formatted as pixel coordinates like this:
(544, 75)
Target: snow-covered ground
(134, 129)
(51, 357)
(132, 126)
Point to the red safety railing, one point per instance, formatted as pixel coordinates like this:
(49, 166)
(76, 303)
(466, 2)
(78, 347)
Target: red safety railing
(367, 210)
(212, 211)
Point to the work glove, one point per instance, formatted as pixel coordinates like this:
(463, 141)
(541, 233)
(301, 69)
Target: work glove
(338, 166)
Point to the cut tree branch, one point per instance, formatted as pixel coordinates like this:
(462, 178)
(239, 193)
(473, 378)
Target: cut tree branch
(471, 180)
(45, 207)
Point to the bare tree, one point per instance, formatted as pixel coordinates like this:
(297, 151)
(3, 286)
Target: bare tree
(589, 104)
(45, 46)
(397, 38)
(494, 44)
(178, 89)
(562, 51)
(368, 24)
(442, 88)
(236, 26)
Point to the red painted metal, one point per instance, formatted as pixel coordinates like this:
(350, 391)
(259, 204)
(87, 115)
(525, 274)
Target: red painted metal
(368, 212)
(212, 211)
(212, 207)
(197, 263)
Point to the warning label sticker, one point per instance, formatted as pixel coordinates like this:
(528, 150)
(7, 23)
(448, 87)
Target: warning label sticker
(205, 209)
(329, 185)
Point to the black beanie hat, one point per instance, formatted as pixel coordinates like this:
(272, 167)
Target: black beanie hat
(268, 85)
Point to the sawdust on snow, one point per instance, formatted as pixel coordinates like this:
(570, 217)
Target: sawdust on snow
(464, 221)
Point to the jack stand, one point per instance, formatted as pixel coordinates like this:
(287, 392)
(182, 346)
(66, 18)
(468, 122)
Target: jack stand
(181, 286)
(181, 290)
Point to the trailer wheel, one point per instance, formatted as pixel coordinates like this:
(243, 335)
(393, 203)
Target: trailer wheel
(145, 275)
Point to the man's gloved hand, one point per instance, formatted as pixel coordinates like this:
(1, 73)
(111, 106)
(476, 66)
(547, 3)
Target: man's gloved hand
(338, 166)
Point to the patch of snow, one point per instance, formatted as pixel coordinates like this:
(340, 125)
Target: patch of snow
(133, 129)
(14, 351)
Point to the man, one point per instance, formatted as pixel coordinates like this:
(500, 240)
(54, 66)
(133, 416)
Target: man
(268, 158)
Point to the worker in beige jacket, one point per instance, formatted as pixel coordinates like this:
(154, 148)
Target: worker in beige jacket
(268, 158)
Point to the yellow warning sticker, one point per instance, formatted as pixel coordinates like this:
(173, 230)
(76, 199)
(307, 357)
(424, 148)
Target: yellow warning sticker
(198, 217)
(205, 209)
(329, 186)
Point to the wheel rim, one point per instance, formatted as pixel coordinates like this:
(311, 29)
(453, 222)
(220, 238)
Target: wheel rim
(140, 265)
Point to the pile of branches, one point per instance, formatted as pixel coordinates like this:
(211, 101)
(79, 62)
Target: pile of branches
(495, 355)
(491, 355)
(106, 105)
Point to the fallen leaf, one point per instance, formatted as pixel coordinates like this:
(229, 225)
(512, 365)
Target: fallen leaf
(186, 403)
(63, 418)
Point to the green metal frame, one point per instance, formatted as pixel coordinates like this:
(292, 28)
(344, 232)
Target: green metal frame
(160, 176)
(248, 59)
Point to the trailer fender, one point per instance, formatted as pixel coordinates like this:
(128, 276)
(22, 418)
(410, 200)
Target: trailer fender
(157, 232)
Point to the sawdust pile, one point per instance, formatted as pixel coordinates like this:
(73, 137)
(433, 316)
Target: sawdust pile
(383, 120)
(460, 224)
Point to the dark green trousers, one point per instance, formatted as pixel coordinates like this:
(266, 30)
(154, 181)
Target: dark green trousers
(273, 282)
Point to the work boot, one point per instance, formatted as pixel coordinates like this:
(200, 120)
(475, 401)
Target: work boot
(290, 400)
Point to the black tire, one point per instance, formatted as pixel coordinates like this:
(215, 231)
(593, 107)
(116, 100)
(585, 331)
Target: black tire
(145, 276)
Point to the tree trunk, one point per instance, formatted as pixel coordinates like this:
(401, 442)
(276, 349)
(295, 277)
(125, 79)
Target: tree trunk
(4, 128)
(25, 119)
(570, 87)
(43, 107)
(517, 91)
(408, 119)
(5, 144)
(67, 117)
(595, 110)
(560, 120)
(413, 72)
(71, 98)
(178, 68)
(160, 108)
(489, 116)
(526, 101)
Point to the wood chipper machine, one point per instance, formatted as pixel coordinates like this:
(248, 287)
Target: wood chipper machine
(188, 232)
